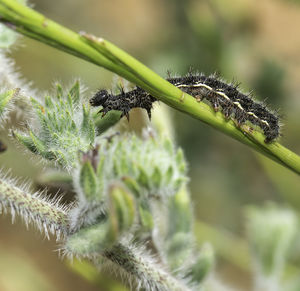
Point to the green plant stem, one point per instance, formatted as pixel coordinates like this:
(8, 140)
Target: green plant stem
(105, 54)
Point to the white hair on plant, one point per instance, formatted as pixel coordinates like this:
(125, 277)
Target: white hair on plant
(48, 215)
(85, 214)
(7, 98)
(141, 269)
(11, 78)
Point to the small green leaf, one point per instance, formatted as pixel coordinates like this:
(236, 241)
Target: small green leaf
(38, 143)
(26, 141)
(59, 91)
(169, 175)
(87, 126)
(48, 102)
(5, 99)
(73, 126)
(168, 145)
(91, 132)
(132, 185)
(179, 157)
(70, 101)
(143, 178)
(100, 166)
(75, 93)
(88, 181)
(146, 218)
(156, 177)
(121, 211)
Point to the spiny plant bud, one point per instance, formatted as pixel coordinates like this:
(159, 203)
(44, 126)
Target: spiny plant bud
(65, 126)
(270, 231)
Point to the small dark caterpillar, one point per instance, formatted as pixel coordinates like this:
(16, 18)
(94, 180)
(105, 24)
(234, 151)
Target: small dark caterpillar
(222, 96)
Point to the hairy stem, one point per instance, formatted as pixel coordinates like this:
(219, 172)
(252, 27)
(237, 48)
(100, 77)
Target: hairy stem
(105, 54)
(142, 268)
(46, 214)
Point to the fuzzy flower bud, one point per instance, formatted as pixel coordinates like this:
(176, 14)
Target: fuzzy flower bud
(148, 167)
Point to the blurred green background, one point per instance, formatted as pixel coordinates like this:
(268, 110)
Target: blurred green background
(256, 43)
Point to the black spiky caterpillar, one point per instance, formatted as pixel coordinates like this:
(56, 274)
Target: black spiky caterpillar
(222, 96)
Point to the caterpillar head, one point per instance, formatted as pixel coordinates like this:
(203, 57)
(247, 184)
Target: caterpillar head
(100, 98)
